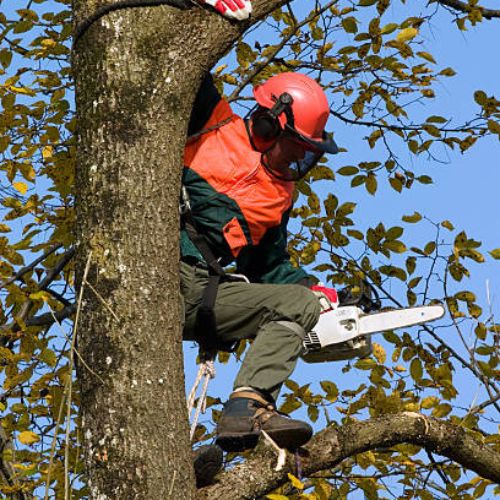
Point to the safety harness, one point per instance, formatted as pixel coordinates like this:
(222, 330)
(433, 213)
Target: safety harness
(205, 326)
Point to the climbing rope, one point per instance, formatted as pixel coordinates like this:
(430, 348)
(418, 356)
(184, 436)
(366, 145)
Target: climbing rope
(205, 373)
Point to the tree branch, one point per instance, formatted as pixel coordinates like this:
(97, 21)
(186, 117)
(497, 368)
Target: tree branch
(31, 266)
(464, 7)
(257, 477)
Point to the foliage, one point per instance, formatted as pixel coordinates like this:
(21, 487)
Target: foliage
(375, 81)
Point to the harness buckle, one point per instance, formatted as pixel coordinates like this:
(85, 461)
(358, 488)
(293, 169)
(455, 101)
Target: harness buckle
(184, 203)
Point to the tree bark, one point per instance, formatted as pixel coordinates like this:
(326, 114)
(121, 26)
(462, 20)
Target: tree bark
(136, 73)
(460, 6)
(257, 476)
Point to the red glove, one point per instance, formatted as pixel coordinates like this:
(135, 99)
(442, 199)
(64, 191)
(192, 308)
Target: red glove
(328, 298)
(233, 9)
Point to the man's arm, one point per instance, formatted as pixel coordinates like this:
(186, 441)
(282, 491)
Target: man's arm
(205, 102)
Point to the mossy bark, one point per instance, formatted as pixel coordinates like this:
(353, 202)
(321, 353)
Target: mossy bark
(135, 81)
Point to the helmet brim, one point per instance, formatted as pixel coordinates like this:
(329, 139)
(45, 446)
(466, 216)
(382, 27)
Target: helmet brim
(325, 145)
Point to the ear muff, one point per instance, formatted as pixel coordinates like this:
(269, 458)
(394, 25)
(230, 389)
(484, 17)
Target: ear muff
(265, 122)
(265, 126)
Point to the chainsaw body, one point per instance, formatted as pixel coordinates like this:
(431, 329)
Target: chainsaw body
(344, 332)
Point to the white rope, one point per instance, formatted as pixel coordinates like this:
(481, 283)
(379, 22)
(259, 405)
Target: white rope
(206, 372)
(280, 451)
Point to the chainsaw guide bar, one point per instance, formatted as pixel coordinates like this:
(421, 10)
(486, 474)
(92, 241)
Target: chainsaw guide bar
(344, 332)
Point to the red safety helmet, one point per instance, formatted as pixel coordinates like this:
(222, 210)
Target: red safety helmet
(292, 108)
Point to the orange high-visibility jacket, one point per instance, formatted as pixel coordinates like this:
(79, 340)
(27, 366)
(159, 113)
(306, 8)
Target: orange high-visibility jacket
(236, 204)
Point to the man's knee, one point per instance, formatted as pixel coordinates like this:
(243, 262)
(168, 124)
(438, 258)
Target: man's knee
(303, 304)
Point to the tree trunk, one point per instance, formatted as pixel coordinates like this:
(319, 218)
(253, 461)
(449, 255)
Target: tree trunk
(134, 94)
(136, 73)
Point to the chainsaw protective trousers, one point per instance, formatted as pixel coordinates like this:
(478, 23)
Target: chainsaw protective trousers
(276, 317)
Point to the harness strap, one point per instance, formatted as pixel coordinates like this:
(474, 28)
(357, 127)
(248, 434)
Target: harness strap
(205, 327)
(295, 327)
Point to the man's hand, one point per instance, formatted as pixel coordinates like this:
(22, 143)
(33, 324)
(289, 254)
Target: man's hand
(233, 9)
(328, 298)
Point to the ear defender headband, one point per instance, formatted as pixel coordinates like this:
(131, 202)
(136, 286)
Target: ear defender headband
(266, 125)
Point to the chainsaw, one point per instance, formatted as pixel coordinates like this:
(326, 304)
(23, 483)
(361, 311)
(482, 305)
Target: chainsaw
(344, 332)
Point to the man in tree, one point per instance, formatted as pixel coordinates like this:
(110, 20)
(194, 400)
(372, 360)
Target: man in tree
(238, 183)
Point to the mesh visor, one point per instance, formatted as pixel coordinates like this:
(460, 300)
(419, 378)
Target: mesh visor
(292, 156)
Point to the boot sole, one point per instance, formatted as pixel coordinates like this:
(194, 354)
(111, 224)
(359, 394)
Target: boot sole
(283, 438)
(237, 441)
(207, 464)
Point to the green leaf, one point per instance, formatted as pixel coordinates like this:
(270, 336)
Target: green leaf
(416, 217)
(441, 410)
(393, 271)
(389, 28)
(358, 235)
(244, 54)
(480, 97)
(349, 170)
(416, 370)
(465, 296)
(350, 24)
(366, 3)
(448, 225)
(495, 253)
(313, 413)
(5, 57)
(429, 402)
(395, 246)
(371, 183)
(331, 390)
(365, 364)
(429, 248)
(426, 56)
(396, 184)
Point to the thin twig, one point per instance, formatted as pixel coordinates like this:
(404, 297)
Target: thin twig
(99, 296)
(84, 363)
(262, 65)
(67, 492)
(53, 445)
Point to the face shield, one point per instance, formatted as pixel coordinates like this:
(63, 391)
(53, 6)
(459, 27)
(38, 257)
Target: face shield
(293, 155)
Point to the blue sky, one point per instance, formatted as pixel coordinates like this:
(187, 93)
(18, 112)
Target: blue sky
(465, 189)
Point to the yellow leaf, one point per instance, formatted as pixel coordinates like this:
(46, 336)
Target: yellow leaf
(296, 482)
(28, 437)
(47, 152)
(379, 353)
(406, 34)
(21, 187)
(48, 43)
(39, 296)
(429, 402)
(21, 90)
(272, 496)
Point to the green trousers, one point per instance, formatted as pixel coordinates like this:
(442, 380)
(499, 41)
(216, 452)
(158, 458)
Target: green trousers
(276, 317)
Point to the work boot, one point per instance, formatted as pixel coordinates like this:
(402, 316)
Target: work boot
(247, 413)
(207, 461)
